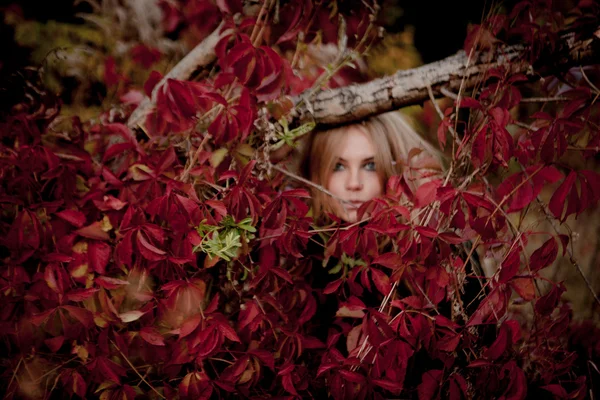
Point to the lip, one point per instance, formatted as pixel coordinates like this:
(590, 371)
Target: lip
(355, 204)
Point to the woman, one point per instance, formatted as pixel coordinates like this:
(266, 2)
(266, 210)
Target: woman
(354, 162)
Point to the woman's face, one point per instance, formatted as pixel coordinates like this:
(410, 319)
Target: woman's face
(354, 178)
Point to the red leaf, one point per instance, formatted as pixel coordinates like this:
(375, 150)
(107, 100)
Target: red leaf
(426, 193)
(99, 254)
(195, 386)
(80, 314)
(468, 102)
(544, 256)
(501, 344)
(288, 384)
(491, 309)
(249, 314)
(477, 200)
(350, 376)
(228, 331)
(189, 325)
(510, 265)
(55, 343)
(147, 250)
(74, 217)
(218, 206)
(559, 198)
(430, 384)
(110, 283)
(152, 336)
(209, 340)
(557, 390)
(81, 294)
(151, 82)
(547, 303)
(458, 388)
(451, 237)
(117, 149)
(393, 387)
(332, 287)
(426, 231)
(389, 260)
(94, 231)
(381, 281)
(524, 287)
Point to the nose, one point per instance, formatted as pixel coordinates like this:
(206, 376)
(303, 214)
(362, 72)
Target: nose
(354, 181)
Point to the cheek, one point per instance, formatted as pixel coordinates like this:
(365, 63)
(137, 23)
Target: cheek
(375, 188)
(335, 183)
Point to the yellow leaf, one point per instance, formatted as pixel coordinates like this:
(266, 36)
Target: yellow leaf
(79, 271)
(141, 172)
(217, 157)
(105, 224)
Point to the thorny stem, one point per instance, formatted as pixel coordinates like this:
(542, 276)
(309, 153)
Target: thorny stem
(136, 371)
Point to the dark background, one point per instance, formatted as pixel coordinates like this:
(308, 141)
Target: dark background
(440, 26)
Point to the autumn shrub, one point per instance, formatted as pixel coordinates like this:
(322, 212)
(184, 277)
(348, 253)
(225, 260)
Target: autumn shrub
(172, 259)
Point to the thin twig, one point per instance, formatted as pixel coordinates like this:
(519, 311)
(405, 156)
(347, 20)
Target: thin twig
(136, 371)
(14, 375)
(337, 228)
(386, 299)
(38, 380)
(193, 159)
(588, 80)
(569, 251)
(525, 126)
(258, 37)
(441, 114)
(446, 92)
(508, 196)
(543, 99)
(305, 181)
(258, 24)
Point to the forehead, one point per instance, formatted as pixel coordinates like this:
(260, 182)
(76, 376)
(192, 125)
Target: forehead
(355, 144)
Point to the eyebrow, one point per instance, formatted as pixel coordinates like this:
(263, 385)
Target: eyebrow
(363, 160)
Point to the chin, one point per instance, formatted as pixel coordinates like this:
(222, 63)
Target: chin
(351, 217)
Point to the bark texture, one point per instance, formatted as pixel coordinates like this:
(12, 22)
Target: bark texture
(456, 73)
(202, 55)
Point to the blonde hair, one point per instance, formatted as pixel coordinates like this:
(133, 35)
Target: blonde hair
(392, 137)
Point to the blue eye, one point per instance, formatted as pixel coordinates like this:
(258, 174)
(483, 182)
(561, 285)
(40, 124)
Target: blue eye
(370, 166)
(338, 167)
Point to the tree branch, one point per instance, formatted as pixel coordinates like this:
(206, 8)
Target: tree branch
(408, 87)
(202, 55)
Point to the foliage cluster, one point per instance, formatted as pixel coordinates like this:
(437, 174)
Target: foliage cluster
(174, 262)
